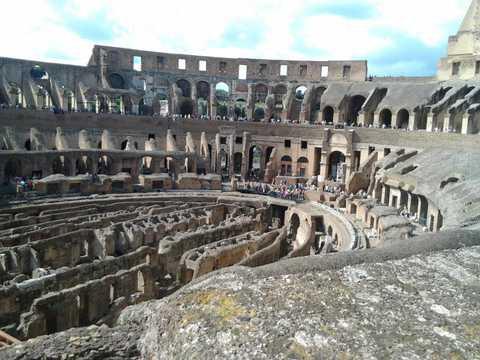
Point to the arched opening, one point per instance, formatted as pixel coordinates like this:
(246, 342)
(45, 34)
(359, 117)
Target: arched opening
(222, 92)
(59, 166)
(105, 165)
(302, 165)
(261, 92)
(237, 163)
(354, 107)
(255, 162)
(316, 105)
(240, 109)
(386, 118)
(146, 165)
(203, 97)
(336, 166)
(259, 114)
(84, 165)
(185, 87)
(328, 114)
(116, 81)
(268, 154)
(297, 103)
(224, 163)
(279, 93)
(403, 117)
(28, 145)
(286, 166)
(13, 169)
(222, 97)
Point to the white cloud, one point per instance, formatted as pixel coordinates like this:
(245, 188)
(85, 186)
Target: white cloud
(35, 30)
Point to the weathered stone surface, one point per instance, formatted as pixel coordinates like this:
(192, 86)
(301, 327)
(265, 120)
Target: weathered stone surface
(420, 307)
(87, 343)
(416, 308)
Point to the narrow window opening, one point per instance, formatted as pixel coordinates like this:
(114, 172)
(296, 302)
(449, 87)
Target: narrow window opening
(137, 63)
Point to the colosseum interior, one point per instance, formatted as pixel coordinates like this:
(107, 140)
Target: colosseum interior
(199, 204)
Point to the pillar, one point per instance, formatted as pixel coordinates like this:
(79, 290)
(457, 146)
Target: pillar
(384, 194)
(394, 121)
(447, 123)
(336, 117)
(213, 109)
(245, 154)
(376, 120)
(231, 151)
(324, 166)
(361, 118)
(466, 124)
(250, 103)
(412, 122)
(430, 122)
(409, 202)
(194, 100)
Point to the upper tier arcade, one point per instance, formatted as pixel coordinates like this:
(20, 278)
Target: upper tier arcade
(119, 59)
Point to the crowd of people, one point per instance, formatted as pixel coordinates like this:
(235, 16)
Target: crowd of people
(281, 190)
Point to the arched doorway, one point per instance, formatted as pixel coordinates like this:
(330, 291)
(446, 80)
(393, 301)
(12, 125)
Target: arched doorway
(328, 114)
(13, 169)
(146, 165)
(59, 166)
(222, 97)
(355, 105)
(185, 87)
(224, 163)
(203, 98)
(259, 114)
(261, 92)
(386, 118)
(286, 166)
(105, 165)
(403, 117)
(255, 162)
(302, 165)
(186, 103)
(297, 102)
(240, 109)
(316, 105)
(83, 165)
(336, 166)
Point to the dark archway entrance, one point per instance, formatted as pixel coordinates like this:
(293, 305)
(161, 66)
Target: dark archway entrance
(386, 118)
(328, 114)
(354, 108)
(402, 119)
(336, 166)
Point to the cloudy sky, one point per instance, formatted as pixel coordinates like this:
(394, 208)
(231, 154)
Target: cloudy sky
(397, 37)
